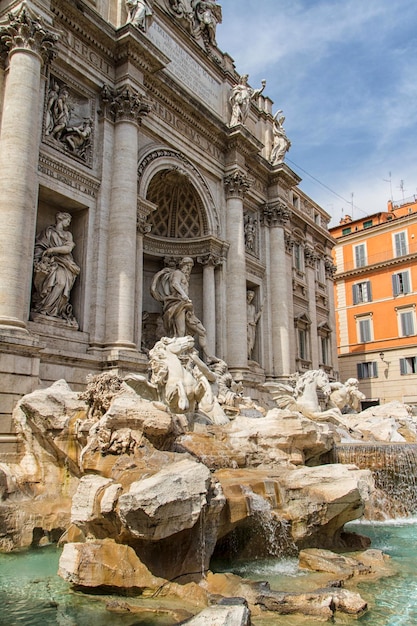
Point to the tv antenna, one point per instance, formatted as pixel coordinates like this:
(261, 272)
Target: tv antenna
(402, 188)
(389, 180)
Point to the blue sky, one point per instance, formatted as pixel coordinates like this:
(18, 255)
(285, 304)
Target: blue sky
(345, 74)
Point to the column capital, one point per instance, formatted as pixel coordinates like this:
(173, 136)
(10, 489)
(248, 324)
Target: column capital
(329, 267)
(124, 104)
(310, 256)
(27, 31)
(213, 260)
(142, 226)
(237, 184)
(276, 214)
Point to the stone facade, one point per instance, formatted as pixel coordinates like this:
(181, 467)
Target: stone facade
(120, 118)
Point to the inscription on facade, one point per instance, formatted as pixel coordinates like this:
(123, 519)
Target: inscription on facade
(186, 69)
(86, 53)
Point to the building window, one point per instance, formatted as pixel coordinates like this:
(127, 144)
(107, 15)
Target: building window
(302, 328)
(346, 231)
(362, 292)
(295, 201)
(401, 283)
(320, 271)
(297, 257)
(324, 333)
(408, 365)
(406, 322)
(325, 350)
(360, 255)
(367, 224)
(368, 369)
(364, 329)
(400, 244)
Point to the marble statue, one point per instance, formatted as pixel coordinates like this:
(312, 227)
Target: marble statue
(281, 143)
(252, 317)
(59, 112)
(346, 397)
(250, 233)
(208, 15)
(78, 138)
(140, 14)
(240, 98)
(170, 286)
(54, 271)
(304, 397)
(172, 362)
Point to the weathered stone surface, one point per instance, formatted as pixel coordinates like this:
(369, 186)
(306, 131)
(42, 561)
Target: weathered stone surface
(390, 423)
(323, 603)
(281, 437)
(86, 500)
(105, 564)
(326, 561)
(167, 502)
(221, 616)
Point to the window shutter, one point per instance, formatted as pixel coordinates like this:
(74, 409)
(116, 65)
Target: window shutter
(355, 289)
(374, 369)
(360, 370)
(369, 290)
(403, 367)
(406, 282)
(407, 325)
(395, 285)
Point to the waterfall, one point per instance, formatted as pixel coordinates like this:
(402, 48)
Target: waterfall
(394, 468)
(275, 532)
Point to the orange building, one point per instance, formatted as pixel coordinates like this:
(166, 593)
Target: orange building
(376, 298)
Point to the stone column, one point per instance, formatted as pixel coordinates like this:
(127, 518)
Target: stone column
(126, 107)
(236, 185)
(330, 271)
(142, 228)
(209, 263)
(310, 260)
(29, 45)
(275, 216)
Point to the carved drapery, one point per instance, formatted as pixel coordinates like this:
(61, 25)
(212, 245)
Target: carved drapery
(237, 184)
(273, 215)
(27, 31)
(124, 104)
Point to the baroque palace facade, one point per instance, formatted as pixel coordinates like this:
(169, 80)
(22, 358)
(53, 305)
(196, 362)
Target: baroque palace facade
(129, 141)
(376, 299)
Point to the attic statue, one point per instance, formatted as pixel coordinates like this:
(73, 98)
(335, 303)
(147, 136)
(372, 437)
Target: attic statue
(140, 14)
(281, 143)
(240, 98)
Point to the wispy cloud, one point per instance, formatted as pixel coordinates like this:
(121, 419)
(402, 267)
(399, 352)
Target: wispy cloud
(345, 75)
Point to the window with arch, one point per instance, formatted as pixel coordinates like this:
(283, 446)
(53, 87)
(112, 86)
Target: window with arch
(180, 213)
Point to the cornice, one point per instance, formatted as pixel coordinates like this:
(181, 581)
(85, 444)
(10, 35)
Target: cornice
(62, 172)
(240, 140)
(133, 45)
(358, 271)
(283, 173)
(200, 247)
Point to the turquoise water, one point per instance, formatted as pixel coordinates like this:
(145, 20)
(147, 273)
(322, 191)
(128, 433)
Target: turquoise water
(32, 594)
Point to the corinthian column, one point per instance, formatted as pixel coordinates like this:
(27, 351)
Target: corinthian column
(209, 263)
(126, 107)
(275, 216)
(236, 185)
(29, 45)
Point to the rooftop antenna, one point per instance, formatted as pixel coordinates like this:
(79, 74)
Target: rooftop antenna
(402, 188)
(351, 202)
(389, 180)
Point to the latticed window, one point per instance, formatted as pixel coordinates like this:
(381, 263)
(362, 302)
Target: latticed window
(180, 213)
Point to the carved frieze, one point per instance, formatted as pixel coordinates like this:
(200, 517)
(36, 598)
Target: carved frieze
(68, 120)
(27, 31)
(276, 214)
(56, 170)
(124, 104)
(237, 184)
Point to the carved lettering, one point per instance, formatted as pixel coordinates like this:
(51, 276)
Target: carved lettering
(86, 53)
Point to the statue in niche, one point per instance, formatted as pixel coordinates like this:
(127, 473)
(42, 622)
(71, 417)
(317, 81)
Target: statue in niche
(140, 14)
(250, 232)
(54, 271)
(208, 15)
(240, 99)
(281, 143)
(170, 286)
(252, 317)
